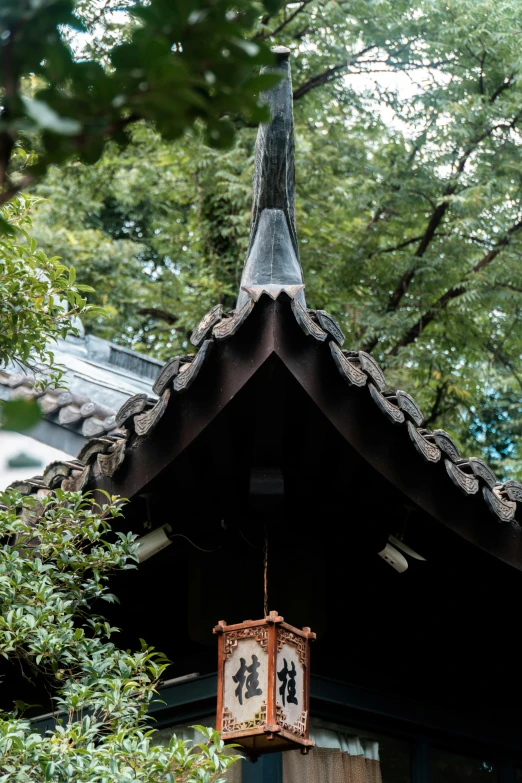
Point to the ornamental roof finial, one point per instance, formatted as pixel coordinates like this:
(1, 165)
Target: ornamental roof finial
(272, 263)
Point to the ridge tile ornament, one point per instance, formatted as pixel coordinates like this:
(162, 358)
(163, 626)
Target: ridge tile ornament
(264, 685)
(272, 264)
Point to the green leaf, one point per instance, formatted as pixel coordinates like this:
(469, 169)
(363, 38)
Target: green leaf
(262, 82)
(48, 119)
(273, 5)
(6, 228)
(220, 134)
(19, 415)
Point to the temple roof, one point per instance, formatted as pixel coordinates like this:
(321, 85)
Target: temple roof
(271, 318)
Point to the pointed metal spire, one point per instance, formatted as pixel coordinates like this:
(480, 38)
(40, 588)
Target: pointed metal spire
(272, 263)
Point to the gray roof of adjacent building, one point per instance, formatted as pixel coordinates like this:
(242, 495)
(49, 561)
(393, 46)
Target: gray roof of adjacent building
(99, 376)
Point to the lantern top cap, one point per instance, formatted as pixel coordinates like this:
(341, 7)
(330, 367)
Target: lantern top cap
(272, 618)
(272, 264)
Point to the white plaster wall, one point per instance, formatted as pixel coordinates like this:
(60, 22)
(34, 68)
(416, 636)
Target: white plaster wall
(11, 444)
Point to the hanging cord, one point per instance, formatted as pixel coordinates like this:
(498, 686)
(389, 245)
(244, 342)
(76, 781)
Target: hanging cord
(245, 539)
(265, 575)
(180, 535)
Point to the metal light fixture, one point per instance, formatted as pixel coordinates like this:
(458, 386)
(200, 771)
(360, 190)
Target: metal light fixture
(153, 542)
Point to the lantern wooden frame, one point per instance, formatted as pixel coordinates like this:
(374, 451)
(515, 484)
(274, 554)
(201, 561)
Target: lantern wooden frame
(269, 731)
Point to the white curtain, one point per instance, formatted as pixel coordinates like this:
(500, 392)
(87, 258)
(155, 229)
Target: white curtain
(336, 758)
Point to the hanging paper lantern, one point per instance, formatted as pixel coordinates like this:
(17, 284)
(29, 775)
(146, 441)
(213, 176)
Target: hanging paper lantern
(264, 685)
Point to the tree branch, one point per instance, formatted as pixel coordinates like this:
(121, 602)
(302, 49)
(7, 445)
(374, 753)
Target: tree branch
(284, 23)
(326, 76)
(442, 302)
(329, 74)
(158, 314)
(400, 246)
(506, 84)
(503, 359)
(439, 212)
(435, 408)
(517, 289)
(433, 224)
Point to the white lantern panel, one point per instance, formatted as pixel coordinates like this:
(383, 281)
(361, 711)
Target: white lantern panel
(290, 697)
(245, 684)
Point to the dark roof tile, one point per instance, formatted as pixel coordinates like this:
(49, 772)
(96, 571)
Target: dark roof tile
(206, 325)
(228, 326)
(409, 406)
(481, 469)
(348, 368)
(330, 325)
(387, 405)
(145, 422)
(464, 479)
(131, 407)
(503, 509)
(513, 490)
(446, 444)
(188, 373)
(112, 460)
(424, 442)
(307, 323)
(167, 373)
(372, 369)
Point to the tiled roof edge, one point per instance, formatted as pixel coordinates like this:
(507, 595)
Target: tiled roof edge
(140, 414)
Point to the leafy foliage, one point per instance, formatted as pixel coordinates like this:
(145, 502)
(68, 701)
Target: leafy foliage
(409, 205)
(57, 562)
(179, 62)
(39, 297)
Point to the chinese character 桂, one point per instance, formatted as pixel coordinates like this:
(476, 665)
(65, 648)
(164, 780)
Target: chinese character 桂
(252, 681)
(240, 677)
(287, 678)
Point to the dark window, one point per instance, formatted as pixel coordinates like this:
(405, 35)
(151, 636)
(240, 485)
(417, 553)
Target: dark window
(454, 768)
(394, 756)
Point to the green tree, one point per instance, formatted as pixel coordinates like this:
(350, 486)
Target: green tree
(179, 61)
(409, 205)
(58, 561)
(38, 296)
(39, 302)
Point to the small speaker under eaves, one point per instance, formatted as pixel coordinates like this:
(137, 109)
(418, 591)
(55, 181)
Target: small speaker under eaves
(394, 558)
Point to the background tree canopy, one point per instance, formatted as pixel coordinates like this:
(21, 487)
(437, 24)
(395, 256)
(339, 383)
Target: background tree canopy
(409, 163)
(90, 81)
